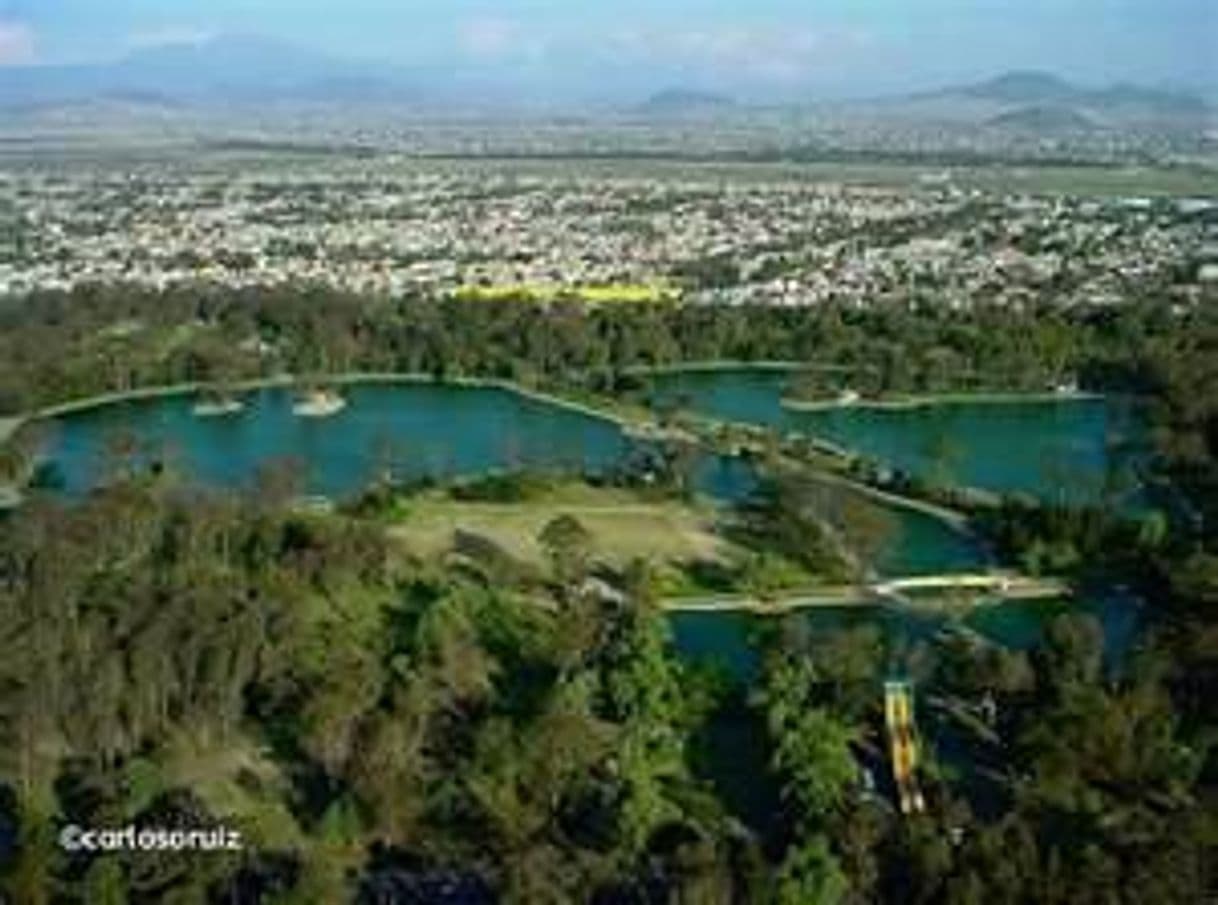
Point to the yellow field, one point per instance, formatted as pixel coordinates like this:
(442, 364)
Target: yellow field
(593, 294)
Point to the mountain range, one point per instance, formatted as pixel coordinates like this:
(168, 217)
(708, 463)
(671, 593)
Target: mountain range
(244, 70)
(684, 102)
(228, 69)
(1042, 101)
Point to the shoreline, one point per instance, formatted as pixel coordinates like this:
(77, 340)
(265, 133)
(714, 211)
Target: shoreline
(11, 424)
(919, 402)
(724, 364)
(732, 364)
(632, 426)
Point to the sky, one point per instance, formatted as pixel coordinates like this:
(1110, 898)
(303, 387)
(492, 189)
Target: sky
(773, 48)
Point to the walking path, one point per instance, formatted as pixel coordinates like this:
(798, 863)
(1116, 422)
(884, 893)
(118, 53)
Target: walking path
(1005, 585)
(930, 400)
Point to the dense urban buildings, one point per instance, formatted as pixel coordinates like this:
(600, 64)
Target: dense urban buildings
(393, 225)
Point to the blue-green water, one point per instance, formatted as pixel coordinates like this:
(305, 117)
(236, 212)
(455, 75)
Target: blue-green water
(416, 430)
(1072, 449)
(1066, 449)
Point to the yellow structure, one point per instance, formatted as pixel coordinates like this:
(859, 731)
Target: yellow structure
(898, 715)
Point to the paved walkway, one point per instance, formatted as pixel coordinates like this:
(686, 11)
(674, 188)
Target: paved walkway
(1006, 585)
(843, 596)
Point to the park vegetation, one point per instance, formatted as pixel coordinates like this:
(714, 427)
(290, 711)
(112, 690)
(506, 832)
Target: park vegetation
(386, 726)
(60, 346)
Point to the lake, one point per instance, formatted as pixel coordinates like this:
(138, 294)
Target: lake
(1068, 449)
(414, 429)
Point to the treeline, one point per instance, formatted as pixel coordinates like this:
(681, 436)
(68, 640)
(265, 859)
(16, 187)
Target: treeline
(65, 345)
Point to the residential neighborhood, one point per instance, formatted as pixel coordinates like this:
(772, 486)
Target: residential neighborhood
(400, 226)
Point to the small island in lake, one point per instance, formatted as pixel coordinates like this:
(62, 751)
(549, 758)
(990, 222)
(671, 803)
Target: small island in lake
(215, 402)
(318, 402)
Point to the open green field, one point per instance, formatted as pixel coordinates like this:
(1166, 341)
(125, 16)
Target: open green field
(1196, 179)
(622, 525)
(1093, 181)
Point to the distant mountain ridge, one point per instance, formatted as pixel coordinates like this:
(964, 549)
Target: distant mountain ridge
(236, 70)
(1046, 90)
(1020, 87)
(683, 100)
(229, 68)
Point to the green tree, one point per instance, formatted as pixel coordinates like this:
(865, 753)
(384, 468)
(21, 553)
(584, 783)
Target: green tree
(810, 875)
(568, 545)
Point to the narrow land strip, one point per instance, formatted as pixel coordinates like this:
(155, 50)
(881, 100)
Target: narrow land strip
(931, 400)
(1005, 586)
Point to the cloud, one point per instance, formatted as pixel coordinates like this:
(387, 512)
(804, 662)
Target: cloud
(771, 52)
(170, 34)
(495, 38)
(16, 43)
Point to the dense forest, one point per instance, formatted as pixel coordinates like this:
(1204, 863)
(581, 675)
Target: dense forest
(383, 727)
(395, 730)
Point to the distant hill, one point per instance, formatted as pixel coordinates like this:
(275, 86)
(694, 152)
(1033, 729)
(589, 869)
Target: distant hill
(227, 69)
(1123, 95)
(1042, 118)
(678, 101)
(1020, 88)
(1031, 96)
(1041, 102)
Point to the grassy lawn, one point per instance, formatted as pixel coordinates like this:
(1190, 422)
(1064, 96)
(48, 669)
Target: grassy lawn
(623, 526)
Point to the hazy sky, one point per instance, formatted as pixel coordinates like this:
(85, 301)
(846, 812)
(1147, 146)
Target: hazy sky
(754, 46)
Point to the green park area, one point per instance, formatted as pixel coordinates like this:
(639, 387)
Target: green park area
(621, 525)
(529, 528)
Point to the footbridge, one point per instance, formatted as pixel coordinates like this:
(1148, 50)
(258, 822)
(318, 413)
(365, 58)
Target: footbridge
(1007, 585)
(1001, 585)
